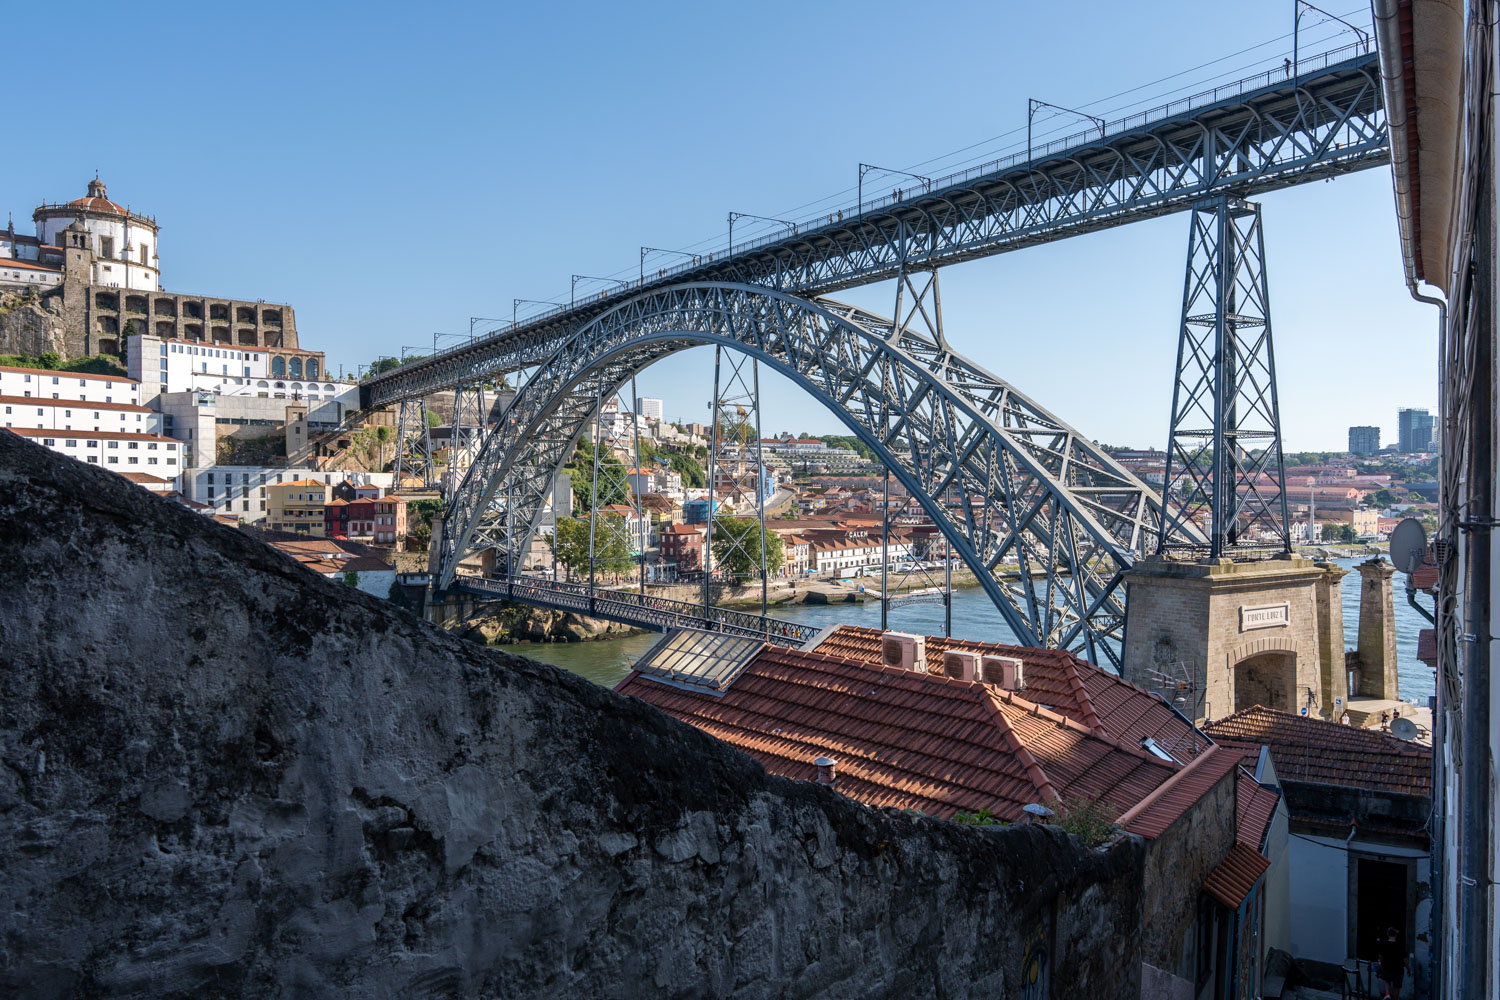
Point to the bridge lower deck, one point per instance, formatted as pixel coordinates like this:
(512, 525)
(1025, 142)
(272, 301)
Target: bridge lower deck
(659, 614)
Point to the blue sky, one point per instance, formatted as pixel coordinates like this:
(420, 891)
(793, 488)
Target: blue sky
(392, 170)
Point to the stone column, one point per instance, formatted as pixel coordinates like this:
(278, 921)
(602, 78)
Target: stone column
(1332, 675)
(1377, 632)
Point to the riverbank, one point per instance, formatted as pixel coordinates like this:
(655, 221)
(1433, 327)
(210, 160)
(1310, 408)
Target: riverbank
(503, 624)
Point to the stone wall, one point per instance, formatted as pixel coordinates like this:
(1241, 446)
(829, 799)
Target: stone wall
(226, 776)
(31, 323)
(1177, 862)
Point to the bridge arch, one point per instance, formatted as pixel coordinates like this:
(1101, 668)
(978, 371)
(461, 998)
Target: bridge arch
(1046, 521)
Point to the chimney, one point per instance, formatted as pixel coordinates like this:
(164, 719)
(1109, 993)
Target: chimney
(961, 665)
(827, 771)
(1006, 671)
(904, 650)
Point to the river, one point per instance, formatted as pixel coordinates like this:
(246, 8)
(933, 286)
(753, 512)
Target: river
(606, 661)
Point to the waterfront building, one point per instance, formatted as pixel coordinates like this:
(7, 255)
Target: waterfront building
(241, 490)
(297, 507)
(1364, 440)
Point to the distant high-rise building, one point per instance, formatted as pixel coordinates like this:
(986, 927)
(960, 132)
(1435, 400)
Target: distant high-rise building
(649, 408)
(1413, 430)
(1364, 440)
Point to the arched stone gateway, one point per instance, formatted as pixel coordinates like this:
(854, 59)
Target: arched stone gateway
(1046, 520)
(1264, 672)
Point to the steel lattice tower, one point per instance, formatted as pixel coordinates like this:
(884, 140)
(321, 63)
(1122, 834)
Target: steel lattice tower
(1224, 461)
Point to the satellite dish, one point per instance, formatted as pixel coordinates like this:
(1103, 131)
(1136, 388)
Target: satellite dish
(1408, 545)
(1404, 729)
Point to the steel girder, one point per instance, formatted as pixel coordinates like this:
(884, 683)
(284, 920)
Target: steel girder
(1005, 480)
(1325, 121)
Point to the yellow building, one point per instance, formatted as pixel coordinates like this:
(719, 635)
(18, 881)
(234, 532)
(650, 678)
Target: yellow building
(296, 507)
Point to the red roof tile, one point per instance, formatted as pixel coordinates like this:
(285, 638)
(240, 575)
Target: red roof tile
(76, 404)
(1236, 875)
(1155, 814)
(1254, 805)
(1327, 753)
(62, 374)
(1059, 680)
(908, 740)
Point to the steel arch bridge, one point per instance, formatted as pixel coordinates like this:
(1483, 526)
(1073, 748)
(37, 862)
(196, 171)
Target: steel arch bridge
(1046, 520)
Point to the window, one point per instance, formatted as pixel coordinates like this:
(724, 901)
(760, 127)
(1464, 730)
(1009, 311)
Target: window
(150, 461)
(112, 444)
(67, 413)
(106, 247)
(93, 460)
(133, 446)
(113, 460)
(54, 380)
(93, 444)
(134, 460)
(49, 442)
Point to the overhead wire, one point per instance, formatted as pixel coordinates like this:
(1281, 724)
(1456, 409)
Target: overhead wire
(757, 229)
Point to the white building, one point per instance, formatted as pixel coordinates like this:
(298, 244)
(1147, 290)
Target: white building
(166, 365)
(81, 386)
(113, 450)
(45, 413)
(648, 407)
(240, 490)
(124, 244)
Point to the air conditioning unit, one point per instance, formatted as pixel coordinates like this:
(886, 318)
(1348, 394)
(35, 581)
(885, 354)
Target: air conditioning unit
(1006, 671)
(961, 665)
(904, 650)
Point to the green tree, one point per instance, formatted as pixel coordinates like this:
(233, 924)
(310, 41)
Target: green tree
(688, 468)
(433, 420)
(737, 543)
(570, 545)
(383, 437)
(1382, 498)
(351, 579)
(854, 444)
(380, 365)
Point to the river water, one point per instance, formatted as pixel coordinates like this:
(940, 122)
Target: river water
(974, 617)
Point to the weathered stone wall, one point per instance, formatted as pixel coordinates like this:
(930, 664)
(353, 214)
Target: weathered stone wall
(225, 776)
(1177, 862)
(31, 323)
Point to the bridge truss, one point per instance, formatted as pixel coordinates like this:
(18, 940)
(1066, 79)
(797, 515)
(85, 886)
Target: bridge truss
(1046, 520)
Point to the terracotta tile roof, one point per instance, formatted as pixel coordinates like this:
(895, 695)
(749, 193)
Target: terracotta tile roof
(1155, 814)
(141, 477)
(49, 371)
(1327, 753)
(1254, 805)
(1061, 681)
(92, 435)
(28, 265)
(76, 404)
(908, 740)
(1427, 650)
(1236, 875)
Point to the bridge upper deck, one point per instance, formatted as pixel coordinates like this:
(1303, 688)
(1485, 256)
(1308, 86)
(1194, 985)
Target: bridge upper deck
(1322, 118)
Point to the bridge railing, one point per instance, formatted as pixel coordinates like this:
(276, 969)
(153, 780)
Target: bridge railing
(660, 613)
(840, 218)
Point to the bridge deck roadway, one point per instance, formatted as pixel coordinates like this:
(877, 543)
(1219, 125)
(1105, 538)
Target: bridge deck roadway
(630, 608)
(1267, 132)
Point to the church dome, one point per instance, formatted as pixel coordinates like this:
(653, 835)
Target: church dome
(95, 200)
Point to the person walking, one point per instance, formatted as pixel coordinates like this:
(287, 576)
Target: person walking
(1392, 964)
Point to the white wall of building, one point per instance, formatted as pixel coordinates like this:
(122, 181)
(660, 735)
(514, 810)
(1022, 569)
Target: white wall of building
(68, 385)
(648, 407)
(72, 415)
(125, 251)
(148, 453)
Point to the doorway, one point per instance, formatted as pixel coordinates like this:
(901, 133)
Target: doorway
(1267, 679)
(1380, 894)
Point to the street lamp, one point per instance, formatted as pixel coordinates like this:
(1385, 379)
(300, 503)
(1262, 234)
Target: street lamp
(681, 253)
(1032, 105)
(865, 168)
(791, 226)
(589, 277)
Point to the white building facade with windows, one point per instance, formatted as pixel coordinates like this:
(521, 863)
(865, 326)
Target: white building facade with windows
(240, 490)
